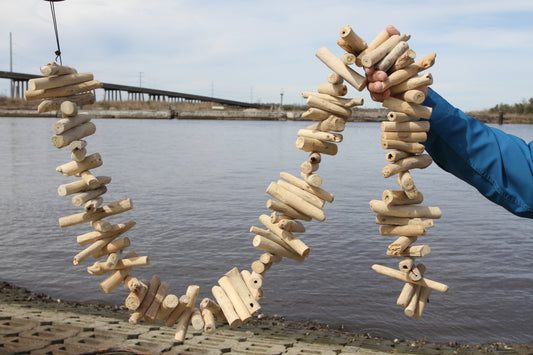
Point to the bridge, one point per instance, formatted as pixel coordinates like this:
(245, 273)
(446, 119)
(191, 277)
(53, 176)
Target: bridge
(113, 92)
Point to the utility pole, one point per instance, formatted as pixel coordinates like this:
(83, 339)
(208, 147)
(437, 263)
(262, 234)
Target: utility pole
(11, 63)
(281, 102)
(140, 79)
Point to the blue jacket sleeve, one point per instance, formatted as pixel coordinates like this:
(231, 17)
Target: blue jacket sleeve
(497, 164)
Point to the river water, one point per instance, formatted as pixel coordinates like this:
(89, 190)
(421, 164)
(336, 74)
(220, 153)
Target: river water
(198, 186)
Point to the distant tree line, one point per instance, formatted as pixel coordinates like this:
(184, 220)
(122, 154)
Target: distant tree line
(523, 107)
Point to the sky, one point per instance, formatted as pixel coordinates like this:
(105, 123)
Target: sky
(254, 51)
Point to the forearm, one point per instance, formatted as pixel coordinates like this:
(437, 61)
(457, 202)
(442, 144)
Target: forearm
(499, 165)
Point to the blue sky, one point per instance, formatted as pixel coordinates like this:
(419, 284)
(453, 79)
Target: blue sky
(254, 50)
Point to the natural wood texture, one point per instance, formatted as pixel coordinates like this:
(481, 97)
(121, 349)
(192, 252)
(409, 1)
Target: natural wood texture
(416, 273)
(76, 133)
(315, 158)
(271, 236)
(32, 95)
(256, 292)
(348, 58)
(68, 109)
(323, 136)
(116, 231)
(209, 321)
(183, 321)
(54, 104)
(315, 114)
(314, 145)
(406, 264)
(409, 211)
(197, 320)
(128, 262)
(317, 191)
(51, 82)
(213, 308)
(227, 307)
(412, 251)
(413, 162)
(334, 63)
(412, 148)
(391, 57)
(82, 197)
(413, 302)
(407, 293)
(334, 78)
(286, 210)
(94, 204)
(151, 313)
(103, 212)
(307, 167)
(412, 83)
(101, 226)
(74, 167)
(290, 225)
(92, 249)
(314, 180)
(401, 221)
(170, 302)
(270, 246)
(307, 196)
(332, 89)
(350, 41)
(295, 201)
(294, 242)
(136, 316)
(395, 155)
(78, 154)
(395, 197)
(332, 123)
(416, 126)
(401, 117)
(113, 280)
(378, 40)
(346, 102)
(407, 137)
(112, 247)
(423, 298)
(65, 124)
(134, 299)
(178, 311)
(242, 290)
(413, 96)
(403, 74)
(238, 304)
(56, 69)
(256, 280)
(405, 180)
(402, 276)
(400, 244)
(373, 56)
(409, 230)
(408, 57)
(329, 106)
(81, 185)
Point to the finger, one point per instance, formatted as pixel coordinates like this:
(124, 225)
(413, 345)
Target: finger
(379, 97)
(369, 71)
(392, 30)
(379, 75)
(375, 87)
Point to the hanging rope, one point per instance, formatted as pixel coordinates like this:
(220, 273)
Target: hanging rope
(58, 52)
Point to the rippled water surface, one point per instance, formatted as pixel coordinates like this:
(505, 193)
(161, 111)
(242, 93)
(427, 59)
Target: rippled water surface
(198, 186)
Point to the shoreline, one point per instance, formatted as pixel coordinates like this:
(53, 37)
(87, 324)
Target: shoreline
(107, 326)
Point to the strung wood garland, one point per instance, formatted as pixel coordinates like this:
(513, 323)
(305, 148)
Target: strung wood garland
(294, 199)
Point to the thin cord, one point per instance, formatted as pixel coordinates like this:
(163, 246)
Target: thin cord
(58, 52)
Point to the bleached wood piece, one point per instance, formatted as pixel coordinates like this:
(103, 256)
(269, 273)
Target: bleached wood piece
(402, 276)
(82, 197)
(314, 145)
(413, 82)
(346, 102)
(227, 307)
(329, 106)
(407, 137)
(334, 78)
(405, 180)
(259, 267)
(413, 302)
(271, 236)
(178, 311)
(295, 201)
(317, 191)
(348, 58)
(406, 264)
(423, 298)
(128, 262)
(323, 136)
(307, 167)
(413, 96)
(56, 69)
(391, 57)
(134, 299)
(77, 145)
(78, 154)
(307, 196)
(416, 273)
(65, 124)
(401, 117)
(315, 114)
(403, 74)
(74, 167)
(399, 221)
(213, 308)
(332, 89)
(257, 293)
(378, 40)
(412, 148)
(416, 126)
(101, 226)
(413, 251)
(395, 197)
(256, 280)
(51, 82)
(410, 211)
(93, 204)
(334, 63)
(270, 258)
(407, 230)
(103, 212)
(290, 225)
(270, 246)
(238, 304)
(81, 185)
(76, 133)
(209, 321)
(197, 321)
(112, 247)
(314, 180)
(351, 42)
(332, 123)
(286, 210)
(413, 162)
(405, 296)
(115, 279)
(167, 306)
(93, 248)
(399, 245)
(131, 283)
(240, 287)
(295, 243)
(54, 104)
(185, 318)
(68, 109)
(375, 55)
(395, 155)
(407, 58)
(116, 230)
(32, 95)
(136, 316)
(151, 313)
(315, 158)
